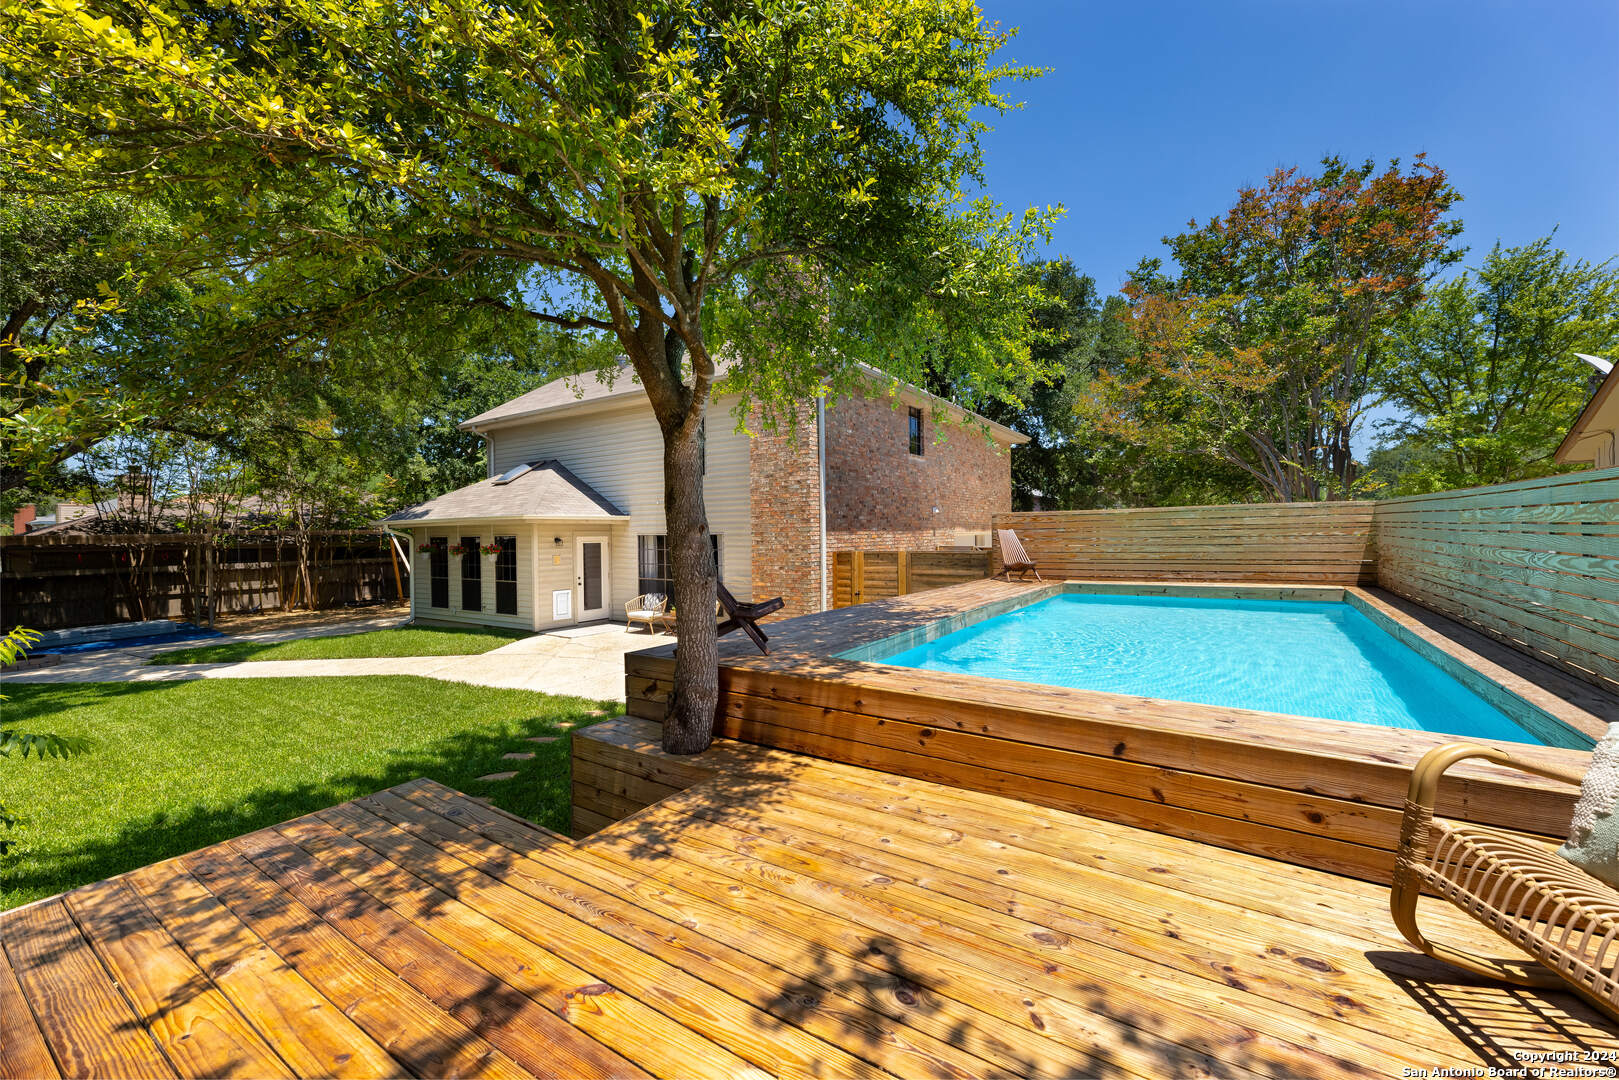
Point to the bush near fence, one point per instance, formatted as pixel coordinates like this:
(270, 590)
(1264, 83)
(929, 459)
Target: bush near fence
(60, 580)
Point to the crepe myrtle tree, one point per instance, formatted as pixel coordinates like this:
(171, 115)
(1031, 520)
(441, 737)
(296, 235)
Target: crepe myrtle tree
(778, 184)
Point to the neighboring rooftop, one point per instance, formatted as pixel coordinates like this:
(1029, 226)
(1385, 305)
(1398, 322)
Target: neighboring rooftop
(1594, 436)
(544, 490)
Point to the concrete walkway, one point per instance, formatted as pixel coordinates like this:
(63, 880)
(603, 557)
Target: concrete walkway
(586, 661)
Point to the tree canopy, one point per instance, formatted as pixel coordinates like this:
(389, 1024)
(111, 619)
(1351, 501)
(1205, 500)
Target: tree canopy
(1485, 370)
(1261, 353)
(783, 180)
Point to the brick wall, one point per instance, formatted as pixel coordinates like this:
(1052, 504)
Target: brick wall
(881, 496)
(784, 495)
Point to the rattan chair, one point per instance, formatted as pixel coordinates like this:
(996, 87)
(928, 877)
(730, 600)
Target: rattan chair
(650, 608)
(1515, 885)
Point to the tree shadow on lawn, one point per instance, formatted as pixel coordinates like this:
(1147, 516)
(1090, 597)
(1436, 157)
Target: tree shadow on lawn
(541, 791)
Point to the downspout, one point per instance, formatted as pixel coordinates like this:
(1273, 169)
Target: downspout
(820, 454)
(410, 567)
(488, 454)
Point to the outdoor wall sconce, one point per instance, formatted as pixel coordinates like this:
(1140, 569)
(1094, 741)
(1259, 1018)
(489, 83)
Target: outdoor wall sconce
(557, 540)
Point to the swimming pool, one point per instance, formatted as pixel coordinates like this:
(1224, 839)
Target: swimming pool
(1308, 658)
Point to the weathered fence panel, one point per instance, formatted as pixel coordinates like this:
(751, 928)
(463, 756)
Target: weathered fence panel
(1317, 543)
(1534, 564)
(54, 581)
(859, 576)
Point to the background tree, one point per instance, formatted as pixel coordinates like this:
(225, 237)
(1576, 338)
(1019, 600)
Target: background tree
(785, 179)
(1485, 370)
(1261, 353)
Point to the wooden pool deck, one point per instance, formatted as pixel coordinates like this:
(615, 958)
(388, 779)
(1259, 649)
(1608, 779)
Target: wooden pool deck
(784, 917)
(1321, 793)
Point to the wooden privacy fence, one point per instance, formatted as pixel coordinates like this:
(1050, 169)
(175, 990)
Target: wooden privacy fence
(55, 581)
(1316, 543)
(859, 576)
(1533, 564)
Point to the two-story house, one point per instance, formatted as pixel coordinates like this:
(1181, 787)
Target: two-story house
(569, 524)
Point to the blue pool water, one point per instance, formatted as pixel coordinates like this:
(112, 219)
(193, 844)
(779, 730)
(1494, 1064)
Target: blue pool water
(1304, 658)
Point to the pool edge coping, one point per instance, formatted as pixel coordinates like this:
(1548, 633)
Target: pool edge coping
(1528, 705)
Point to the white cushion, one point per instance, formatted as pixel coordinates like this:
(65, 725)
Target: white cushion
(1593, 835)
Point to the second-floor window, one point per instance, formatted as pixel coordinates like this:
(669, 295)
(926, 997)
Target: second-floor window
(913, 423)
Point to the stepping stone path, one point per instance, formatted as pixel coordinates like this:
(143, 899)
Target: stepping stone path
(541, 738)
(497, 776)
(519, 755)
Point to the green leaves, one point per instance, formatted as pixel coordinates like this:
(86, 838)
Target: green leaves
(1485, 372)
(40, 745)
(1261, 354)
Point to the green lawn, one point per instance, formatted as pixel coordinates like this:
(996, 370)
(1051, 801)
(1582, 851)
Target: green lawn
(411, 641)
(176, 766)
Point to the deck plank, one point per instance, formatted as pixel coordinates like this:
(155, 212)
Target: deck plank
(532, 1036)
(200, 1032)
(91, 1029)
(581, 998)
(791, 997)
(725, 909)
(306, 1030)
(23, 1051)
(767, 1042)
(424, 1039)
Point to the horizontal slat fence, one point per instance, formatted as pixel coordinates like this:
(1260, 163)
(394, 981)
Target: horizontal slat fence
(859, 576)
(54, 581)
(1315, 543)
(1534, 564)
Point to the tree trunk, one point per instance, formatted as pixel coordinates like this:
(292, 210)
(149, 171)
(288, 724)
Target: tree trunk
(688, 724)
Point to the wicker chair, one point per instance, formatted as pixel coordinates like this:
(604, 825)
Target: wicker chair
(650, 608)
(1515, 885)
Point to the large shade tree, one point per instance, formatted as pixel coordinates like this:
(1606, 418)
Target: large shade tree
(783, 177)
(1262, 352)
(1484, 371)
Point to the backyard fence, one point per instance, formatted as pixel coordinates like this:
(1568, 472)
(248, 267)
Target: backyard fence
(859, 576)
(54, 581)
(1533, 564)
(1317, 543)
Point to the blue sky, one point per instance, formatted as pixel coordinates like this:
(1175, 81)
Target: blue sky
(1157, 112)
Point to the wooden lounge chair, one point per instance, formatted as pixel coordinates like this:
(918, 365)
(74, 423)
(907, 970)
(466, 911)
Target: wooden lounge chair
(649, 608)
(1515, 885)
(745, 617)
(1014, 560)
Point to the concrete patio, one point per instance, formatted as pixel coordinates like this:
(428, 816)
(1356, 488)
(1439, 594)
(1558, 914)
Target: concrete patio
(584, 661)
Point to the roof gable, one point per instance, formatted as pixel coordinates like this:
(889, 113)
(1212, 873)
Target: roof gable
(547, 490)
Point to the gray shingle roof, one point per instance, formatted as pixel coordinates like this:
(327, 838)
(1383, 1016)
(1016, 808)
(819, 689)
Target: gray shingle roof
(568, 390)
(547, 490)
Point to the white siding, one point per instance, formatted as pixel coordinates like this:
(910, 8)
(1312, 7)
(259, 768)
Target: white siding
(485, 531)
(543, 566)
(619, 452)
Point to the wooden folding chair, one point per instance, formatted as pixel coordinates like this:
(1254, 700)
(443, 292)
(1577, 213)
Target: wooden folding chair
(745, 617)
(1014, 560)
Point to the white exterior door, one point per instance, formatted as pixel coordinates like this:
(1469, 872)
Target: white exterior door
(590, 577)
